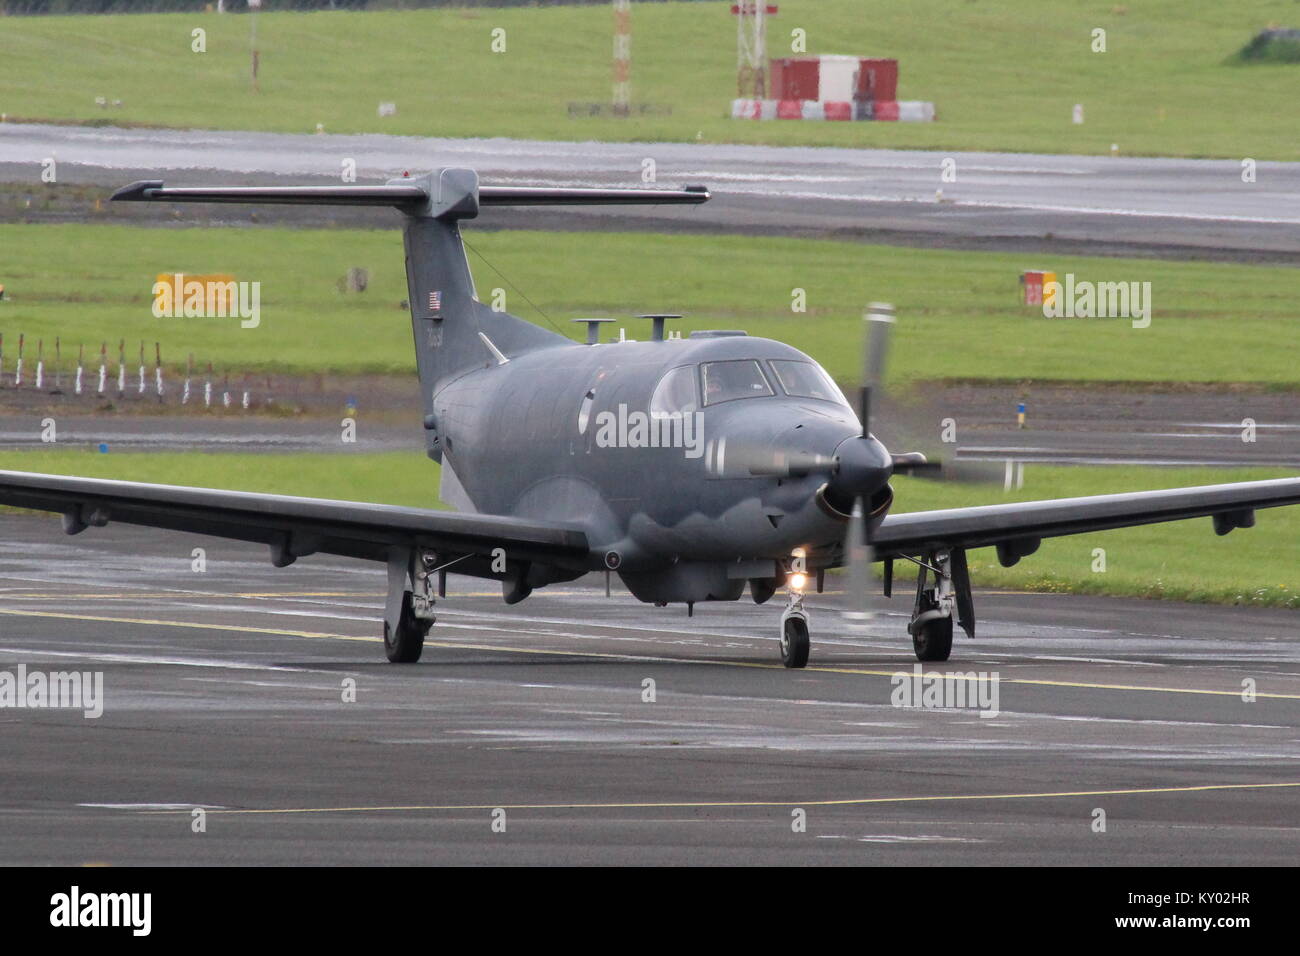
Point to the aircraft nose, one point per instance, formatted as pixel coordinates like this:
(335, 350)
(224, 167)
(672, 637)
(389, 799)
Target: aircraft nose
(863, 467)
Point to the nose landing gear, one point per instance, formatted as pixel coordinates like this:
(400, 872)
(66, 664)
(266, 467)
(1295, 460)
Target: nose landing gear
(794, 619)
(794, 633)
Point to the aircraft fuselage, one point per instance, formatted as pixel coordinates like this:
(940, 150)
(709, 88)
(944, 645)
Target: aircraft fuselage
(569, 434)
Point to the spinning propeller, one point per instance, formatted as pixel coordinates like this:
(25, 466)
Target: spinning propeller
(858, 544)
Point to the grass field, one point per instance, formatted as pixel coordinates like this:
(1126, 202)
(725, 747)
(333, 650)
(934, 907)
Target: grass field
(958, 311)
(1004, 74)
(1181, 560)
(395, 478)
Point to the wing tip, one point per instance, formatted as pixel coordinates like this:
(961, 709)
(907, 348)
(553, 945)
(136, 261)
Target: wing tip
(138, 191)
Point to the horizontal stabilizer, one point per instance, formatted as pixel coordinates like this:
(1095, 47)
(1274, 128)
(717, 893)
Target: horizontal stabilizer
(584, 196)
(411, 195)
(389, 195)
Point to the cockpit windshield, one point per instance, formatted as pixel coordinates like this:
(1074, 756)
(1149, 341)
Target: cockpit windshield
(678, 391)
(806, 380)
(727, 381)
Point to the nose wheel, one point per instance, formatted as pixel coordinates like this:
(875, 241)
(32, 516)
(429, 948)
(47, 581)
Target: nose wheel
(794, 631)
(794, 642)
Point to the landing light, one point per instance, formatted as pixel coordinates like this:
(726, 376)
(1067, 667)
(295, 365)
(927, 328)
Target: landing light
(798, 582)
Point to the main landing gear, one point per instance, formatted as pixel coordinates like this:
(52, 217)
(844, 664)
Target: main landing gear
(408, 612)
(936, 608)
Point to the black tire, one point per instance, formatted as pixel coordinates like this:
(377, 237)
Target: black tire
(794, 642)
(405, 646)
(933, 640)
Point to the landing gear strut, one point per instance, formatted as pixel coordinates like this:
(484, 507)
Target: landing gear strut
(936, 607)
(408, 612)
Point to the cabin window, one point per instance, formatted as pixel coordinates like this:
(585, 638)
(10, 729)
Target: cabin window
(727, 381)
(806, 380)
(584, 413)
(675, 394)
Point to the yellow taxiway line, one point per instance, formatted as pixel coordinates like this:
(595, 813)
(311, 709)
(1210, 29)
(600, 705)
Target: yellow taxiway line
(739, 804)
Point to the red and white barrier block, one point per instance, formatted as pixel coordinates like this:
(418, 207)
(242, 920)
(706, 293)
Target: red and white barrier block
(887, 111)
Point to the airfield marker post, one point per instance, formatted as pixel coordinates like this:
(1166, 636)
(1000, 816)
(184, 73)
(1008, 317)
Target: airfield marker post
(751, 47)
(622, 57)
(253, 6)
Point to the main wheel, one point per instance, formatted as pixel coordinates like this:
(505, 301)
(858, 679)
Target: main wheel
(933, 640)
(405, 646)
(794, 642)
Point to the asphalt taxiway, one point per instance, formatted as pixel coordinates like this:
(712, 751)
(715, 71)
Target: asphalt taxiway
(225, 690)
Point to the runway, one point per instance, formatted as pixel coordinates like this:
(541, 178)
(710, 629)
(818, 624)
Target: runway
(224, 690)
(1104, 205)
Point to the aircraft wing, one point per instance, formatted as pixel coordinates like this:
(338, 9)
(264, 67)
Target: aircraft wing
(292, 527)
(1016, 529)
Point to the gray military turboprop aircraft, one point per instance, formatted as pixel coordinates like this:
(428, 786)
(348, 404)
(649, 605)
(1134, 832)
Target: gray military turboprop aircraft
(689, 466)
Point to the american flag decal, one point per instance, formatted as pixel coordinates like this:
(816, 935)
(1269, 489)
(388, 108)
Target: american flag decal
(435, 301)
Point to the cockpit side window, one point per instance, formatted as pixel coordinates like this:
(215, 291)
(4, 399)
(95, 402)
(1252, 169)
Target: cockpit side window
(727, 381)
(806, 380)
(675, 394)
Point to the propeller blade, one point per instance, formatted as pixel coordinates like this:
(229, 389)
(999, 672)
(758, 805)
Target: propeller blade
(788, 464)
(880, 316)
(737, 460)
(915, 463)
(880, 320)
(860, 556)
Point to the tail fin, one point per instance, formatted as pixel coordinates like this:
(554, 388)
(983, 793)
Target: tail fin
(448, 321)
